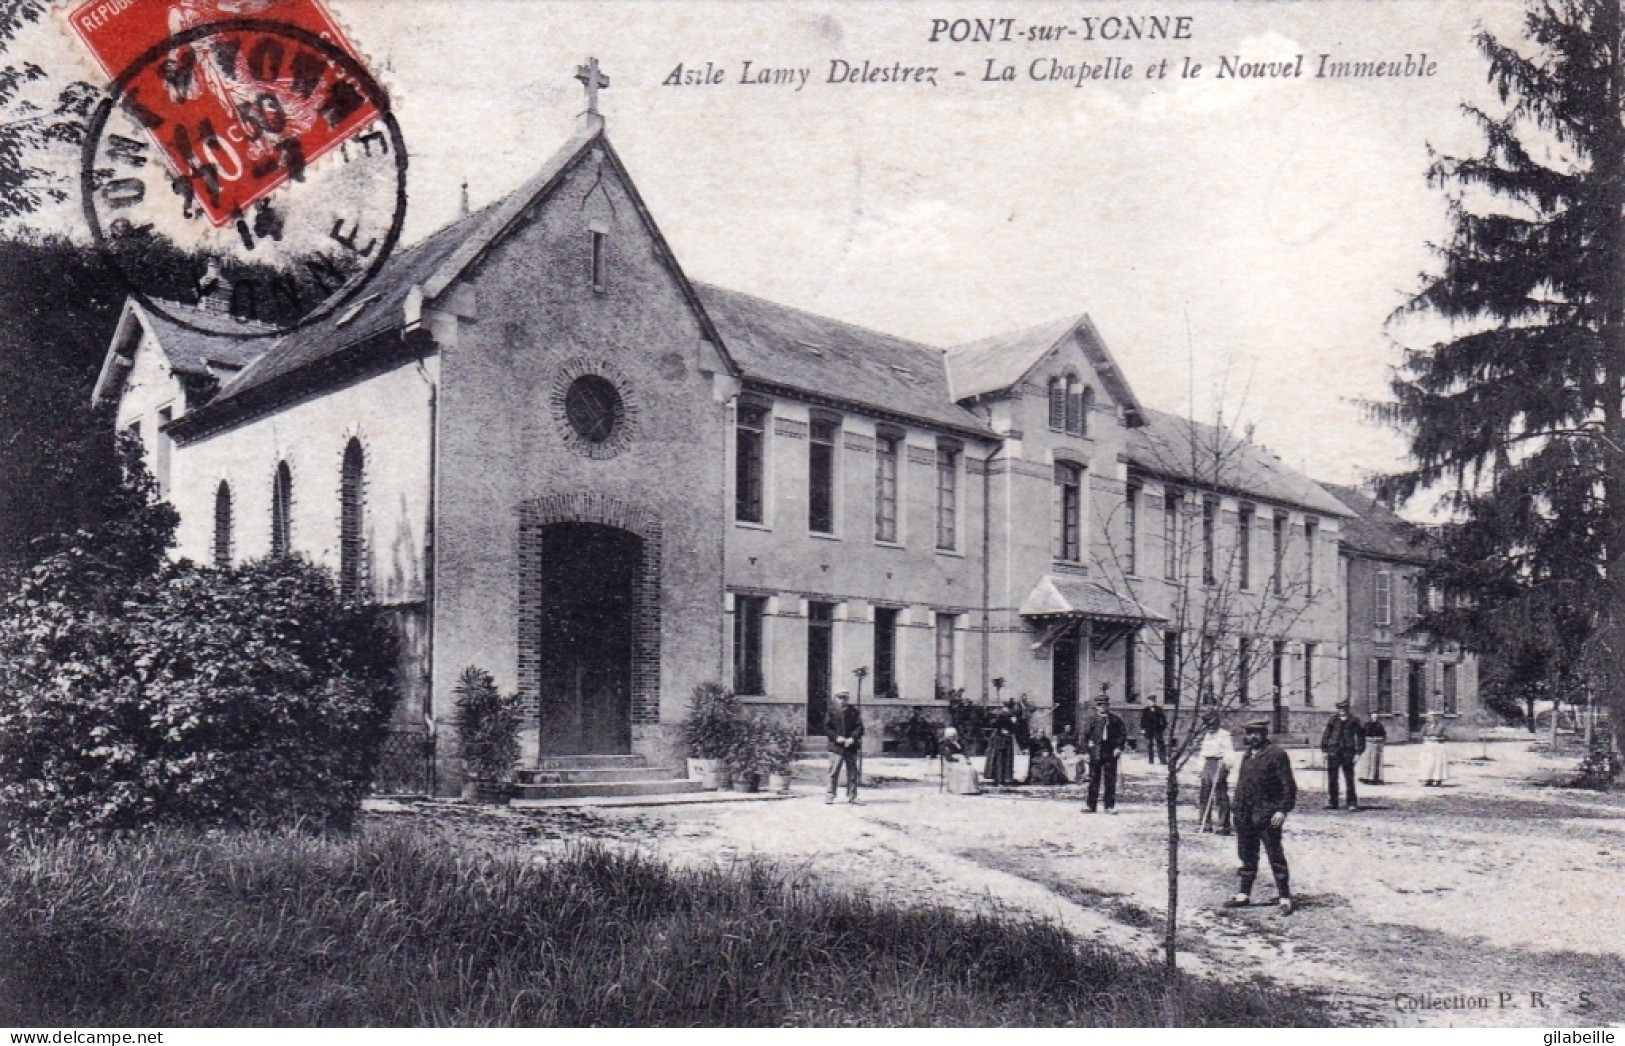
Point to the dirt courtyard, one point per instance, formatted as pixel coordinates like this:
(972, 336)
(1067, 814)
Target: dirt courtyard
(1495, 901)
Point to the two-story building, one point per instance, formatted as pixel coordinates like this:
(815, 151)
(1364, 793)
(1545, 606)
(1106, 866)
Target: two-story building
(1394, 669)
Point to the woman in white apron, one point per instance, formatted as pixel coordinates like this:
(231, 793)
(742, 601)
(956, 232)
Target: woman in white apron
(1435, 763)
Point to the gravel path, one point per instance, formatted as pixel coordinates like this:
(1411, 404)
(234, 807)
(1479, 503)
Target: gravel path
(1495, 901)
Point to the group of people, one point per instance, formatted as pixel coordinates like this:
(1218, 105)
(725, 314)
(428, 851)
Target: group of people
(1265, 789)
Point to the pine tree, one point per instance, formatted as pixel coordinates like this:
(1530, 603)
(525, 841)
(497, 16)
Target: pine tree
(1517, 414)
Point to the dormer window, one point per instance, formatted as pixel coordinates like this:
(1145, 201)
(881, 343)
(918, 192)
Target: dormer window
(1070, 402)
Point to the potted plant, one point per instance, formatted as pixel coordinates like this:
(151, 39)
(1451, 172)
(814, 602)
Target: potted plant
(713, 722)
(748, 755)
(783, 744)
(488, 731)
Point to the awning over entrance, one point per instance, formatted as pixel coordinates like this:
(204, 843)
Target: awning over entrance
(1055, 597)
(1058, 603)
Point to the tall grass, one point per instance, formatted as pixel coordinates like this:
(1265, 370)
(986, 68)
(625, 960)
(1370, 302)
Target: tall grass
(393, 929)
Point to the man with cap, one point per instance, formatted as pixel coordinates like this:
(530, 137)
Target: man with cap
(844, 728)
(1103, 738)
(1153, 725)
(1265, 793)
(1343, 740)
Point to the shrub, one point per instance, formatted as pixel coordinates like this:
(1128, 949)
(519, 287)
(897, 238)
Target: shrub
(197, 696)
(714, 720)
(487, 726)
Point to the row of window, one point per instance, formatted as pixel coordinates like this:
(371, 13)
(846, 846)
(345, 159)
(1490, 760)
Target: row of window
(1414, 592)
(824, 433)
(1381, 683)
(351, 507)
(1211, 670)
(1174, 522)
(749, 677)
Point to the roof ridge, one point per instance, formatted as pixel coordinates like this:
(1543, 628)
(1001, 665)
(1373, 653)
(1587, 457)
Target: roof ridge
(823, 318)
(1072, 321)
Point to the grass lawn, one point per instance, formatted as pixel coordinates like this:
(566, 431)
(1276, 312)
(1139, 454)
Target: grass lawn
(393, 928)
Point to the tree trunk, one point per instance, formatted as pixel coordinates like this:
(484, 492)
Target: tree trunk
(1170, 951)
(1609, 166)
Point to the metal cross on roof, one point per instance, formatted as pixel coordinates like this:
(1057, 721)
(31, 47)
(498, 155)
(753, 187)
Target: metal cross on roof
(593, 81)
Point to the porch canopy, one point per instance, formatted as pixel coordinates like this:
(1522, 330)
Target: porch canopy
(1057, 603)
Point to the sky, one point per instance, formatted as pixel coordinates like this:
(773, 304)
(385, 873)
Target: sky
(1239, 243)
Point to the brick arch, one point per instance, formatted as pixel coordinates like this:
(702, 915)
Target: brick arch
(535, 515)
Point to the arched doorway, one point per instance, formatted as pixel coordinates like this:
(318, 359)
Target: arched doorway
(585, 638)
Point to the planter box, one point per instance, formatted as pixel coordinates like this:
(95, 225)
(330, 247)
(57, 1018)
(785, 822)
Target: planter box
(709, 772)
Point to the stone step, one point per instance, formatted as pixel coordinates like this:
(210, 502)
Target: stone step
(599, 775)
(590, 762)
(606, 789)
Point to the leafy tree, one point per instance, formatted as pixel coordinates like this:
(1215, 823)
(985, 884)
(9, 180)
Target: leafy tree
(1516, 415)
(199, 697)
(25, 127)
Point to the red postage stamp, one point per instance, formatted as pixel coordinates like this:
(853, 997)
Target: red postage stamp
(238, 95)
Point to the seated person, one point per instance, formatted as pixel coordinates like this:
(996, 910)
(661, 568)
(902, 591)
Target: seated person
(950, 748)
(1044, 768)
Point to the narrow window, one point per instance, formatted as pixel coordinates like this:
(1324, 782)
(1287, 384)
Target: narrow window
(1207, 670)
(1068, 511)
(1278, 554)
(1385, 599)
(351, 493)
(821, 477)
(1131, 668)
(1210, 525)
(750, 437)
(1074, 405)
(1311, 530)
(598, 245)
(885, 652)
(1170, 667)
(1244, 670)
(886, 451)
(1172, 506)
(1278, 671)
(1244, 547)
(1087, 404)
(1385, 685)
(1450, 689)
(820, 662)
(1309, 650)
(947, 497)
(282, 511)
(222, 525)
(165, 448)
(749, 613)
(1131, 518)
(945, 656)
(1057, 404)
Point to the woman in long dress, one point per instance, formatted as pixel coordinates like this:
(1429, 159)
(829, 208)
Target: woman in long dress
(1000, 768)
(1435, 763)
(1376, 736)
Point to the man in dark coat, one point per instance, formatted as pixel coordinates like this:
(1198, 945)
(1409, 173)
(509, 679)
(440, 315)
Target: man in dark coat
(1153, 725)
(1343, 740)
(1265, 793)
(844, 728)
(1103, 738)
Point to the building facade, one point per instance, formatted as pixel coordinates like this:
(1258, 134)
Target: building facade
(1394, 669)
(554, 456)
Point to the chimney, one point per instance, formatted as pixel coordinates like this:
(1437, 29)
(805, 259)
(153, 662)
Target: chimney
(465, 211)
(213, 292)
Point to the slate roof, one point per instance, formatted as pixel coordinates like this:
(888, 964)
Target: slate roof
(1376, 531)
(1078, 597)
(787, 347)
(1189, 451)
(190, 350)
(995, 364)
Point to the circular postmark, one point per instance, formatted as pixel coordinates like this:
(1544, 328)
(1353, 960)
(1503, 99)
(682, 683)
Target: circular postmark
(252, 166)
